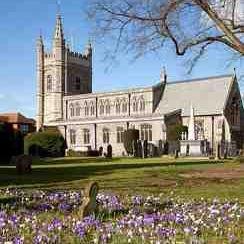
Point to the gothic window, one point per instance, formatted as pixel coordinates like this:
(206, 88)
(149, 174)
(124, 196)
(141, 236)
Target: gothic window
(92, 109)
(49, 83)
(77, 109)
(86, 134)
(120, 134)
(77, 84)
(107, 107)
(72, 134)
(72, 110)
(105, 135)
(124, 106)
(86, 109)
(146, 132)
(117, 106)
(135, 105)
(142, 104)
(101, 108)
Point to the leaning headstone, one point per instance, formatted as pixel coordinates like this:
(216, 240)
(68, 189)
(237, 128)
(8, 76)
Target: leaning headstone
(89, 204)
(23, 163)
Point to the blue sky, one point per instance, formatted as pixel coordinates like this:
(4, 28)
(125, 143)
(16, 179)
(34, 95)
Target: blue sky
(20, 24)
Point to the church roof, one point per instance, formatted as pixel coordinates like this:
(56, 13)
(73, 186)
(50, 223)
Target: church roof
(207, 95)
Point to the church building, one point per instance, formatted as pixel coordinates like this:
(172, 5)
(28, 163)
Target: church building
(90, 120)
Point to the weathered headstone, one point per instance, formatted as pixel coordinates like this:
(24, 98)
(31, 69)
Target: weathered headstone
(89, 204)
(109, 151)
(23, 163)
(100, 151)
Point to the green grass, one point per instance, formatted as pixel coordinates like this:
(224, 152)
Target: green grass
(130, 176)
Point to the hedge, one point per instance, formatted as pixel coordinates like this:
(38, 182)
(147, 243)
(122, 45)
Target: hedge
(45, 144)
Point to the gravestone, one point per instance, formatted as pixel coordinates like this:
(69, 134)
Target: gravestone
(89, 204)
(100, 151)
(23, 163)
(109, 151)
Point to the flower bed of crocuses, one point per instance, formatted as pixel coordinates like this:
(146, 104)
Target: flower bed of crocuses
(53, 217)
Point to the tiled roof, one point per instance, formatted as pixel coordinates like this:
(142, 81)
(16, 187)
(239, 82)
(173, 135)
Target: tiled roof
(15, 118)
(207, 96)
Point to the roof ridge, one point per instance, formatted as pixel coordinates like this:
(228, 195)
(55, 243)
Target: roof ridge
(200, 79)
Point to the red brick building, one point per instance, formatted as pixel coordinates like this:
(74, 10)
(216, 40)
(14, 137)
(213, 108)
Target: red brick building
(18, 122)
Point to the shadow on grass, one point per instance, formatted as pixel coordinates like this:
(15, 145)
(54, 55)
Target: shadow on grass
(75, 160)
(42, 175)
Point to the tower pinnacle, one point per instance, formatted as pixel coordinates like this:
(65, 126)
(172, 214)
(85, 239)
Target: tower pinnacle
(39, 41)
(59, 28)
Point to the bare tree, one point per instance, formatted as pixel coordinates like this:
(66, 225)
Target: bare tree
(189, 25)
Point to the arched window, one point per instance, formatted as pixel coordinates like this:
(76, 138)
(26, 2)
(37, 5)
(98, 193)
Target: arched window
(117, 106)
(77, 84)
(86, 109)
(92, 109)
(105, 135)
(101, 108)
(77, 109)
(120, 134)
(124, 106)
(107, 107)
(86, 133)
(142, 104)
(72, 135)
(49, 83)
(72, 110)
(146, 132)
(135, 105)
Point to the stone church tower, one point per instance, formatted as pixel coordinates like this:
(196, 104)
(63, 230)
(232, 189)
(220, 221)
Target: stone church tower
(60, 72)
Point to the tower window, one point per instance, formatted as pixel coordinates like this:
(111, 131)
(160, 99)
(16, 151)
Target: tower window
(49, 83)
(77, 84)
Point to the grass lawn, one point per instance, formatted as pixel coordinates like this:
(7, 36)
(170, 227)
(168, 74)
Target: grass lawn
(174, 212)
(193, 178)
